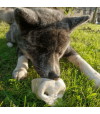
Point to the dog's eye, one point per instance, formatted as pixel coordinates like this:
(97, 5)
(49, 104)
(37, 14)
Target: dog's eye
(60, 53)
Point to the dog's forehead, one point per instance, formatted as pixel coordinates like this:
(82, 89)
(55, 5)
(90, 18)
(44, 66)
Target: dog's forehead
(48, 37)
(43, 36)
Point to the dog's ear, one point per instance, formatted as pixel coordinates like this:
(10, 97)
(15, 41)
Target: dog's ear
(74, 22)
(26, 19)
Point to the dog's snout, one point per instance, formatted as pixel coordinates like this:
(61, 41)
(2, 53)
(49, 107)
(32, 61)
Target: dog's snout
(53, 76)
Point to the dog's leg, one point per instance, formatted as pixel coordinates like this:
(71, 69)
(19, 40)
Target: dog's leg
(20, 71)
(9, 44)
(77, 60)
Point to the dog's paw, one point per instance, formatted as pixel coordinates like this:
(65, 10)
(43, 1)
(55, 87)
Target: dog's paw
(9, 44)
(19, 73)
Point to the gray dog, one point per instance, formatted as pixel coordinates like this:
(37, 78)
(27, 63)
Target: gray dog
(43, 36)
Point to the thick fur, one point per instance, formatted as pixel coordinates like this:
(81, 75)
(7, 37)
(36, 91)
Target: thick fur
(43, 36)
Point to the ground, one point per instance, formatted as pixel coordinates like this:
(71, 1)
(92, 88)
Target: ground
(80, 91)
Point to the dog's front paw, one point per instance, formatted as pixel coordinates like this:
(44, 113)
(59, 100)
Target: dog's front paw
(20, 73)
(9, 44)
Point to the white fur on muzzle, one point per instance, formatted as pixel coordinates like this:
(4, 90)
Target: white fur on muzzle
(48, 90)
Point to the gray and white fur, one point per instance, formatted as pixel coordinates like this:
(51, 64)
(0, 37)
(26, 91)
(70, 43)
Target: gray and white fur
(43, 36)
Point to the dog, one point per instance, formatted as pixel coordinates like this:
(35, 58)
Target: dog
(43, 36)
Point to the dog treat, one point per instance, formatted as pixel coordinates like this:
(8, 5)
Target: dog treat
(48, 90)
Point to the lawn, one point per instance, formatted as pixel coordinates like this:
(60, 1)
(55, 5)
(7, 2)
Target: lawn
(80, 91)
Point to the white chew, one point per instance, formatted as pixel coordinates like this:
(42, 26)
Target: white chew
(48, 90)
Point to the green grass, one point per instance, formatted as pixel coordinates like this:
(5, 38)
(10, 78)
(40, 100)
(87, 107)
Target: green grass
(80, 91)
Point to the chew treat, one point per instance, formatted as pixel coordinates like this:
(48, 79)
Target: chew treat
(48, 90)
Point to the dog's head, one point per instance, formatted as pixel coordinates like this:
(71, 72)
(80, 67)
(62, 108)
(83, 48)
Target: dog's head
(46, 37)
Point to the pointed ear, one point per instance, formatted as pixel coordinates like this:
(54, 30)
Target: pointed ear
(26, 19)
(74, 22)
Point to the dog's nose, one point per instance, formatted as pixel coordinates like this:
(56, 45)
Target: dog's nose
(53, 76)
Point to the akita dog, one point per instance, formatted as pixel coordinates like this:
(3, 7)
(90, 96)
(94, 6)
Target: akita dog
(43, 36)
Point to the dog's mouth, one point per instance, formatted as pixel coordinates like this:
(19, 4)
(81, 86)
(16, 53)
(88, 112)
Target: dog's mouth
(54, 79)
(50, 75)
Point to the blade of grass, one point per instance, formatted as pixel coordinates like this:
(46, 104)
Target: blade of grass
(1, 103)
(25, 101)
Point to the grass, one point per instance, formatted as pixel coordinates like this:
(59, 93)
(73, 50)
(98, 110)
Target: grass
(80, 91)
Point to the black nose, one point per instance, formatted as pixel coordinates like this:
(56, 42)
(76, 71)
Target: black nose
(53, 76)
